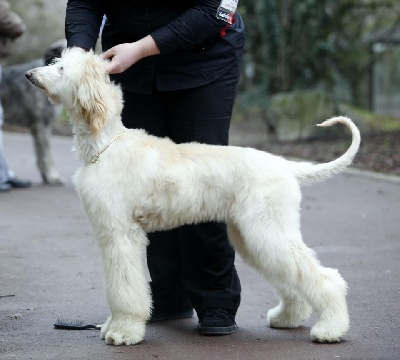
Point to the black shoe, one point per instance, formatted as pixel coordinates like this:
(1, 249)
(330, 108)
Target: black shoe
(217, 321)
(18, 183)
(5, 187)
(171, 315)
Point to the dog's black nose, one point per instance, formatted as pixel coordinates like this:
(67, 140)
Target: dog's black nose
(28, 74)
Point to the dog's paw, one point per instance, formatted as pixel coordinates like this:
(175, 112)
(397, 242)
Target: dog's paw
(123, 332)
(288, 317)
(105, 327)
(53, 178)
(328, 332)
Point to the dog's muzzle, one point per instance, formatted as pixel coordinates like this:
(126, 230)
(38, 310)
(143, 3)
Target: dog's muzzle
(30, 75)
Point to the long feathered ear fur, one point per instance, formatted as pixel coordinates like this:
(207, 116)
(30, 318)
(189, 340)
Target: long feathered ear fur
(91, 93)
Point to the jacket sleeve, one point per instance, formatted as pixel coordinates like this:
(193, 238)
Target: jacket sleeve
(192, 28)
(11, 25)
(82, 23)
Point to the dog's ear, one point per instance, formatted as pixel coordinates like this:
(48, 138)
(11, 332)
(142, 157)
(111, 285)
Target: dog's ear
(91, 93)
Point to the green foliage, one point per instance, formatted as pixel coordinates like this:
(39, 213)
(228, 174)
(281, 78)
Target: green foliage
(294, 45)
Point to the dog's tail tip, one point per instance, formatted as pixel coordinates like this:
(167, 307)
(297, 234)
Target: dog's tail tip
(319, 172)
(334, 120)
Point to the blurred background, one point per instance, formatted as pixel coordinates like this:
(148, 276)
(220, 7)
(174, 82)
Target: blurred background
(305, 61)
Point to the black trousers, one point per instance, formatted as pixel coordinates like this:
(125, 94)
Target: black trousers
(191, 266)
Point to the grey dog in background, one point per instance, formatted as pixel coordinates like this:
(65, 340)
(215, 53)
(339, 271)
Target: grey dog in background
(26, 106)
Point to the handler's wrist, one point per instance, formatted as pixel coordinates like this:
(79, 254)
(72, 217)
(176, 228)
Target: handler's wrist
(147, 46)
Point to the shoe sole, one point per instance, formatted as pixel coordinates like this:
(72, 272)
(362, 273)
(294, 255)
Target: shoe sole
(225, 330)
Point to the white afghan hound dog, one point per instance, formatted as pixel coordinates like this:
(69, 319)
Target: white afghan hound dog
(131, 183)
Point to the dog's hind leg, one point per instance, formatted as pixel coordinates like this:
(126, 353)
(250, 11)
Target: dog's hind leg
(292, 309)
(128, 292)
(236, 240)
(276, 249)
(327, 294)
(322, 288)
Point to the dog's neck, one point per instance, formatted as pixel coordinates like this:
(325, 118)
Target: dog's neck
(96, 157)
(88, 146)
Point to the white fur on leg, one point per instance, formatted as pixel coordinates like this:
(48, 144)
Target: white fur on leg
(105, 327)
(125, 331)
(300, 280)
(333, 318)
(290, 313)
(329, 331)
(128, 292)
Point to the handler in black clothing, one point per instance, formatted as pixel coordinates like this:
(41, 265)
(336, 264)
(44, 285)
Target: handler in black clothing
(178, 65)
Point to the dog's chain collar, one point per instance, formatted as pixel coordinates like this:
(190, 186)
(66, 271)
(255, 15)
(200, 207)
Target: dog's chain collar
(96, 157)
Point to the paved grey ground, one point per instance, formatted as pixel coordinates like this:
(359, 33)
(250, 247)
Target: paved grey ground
(50, 264)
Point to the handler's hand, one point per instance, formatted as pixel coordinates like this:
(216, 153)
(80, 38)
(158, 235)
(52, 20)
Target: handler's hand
(125, 55)
(122, 57)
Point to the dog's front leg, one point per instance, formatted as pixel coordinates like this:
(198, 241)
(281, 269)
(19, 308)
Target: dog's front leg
(41, 133)
(127, 288)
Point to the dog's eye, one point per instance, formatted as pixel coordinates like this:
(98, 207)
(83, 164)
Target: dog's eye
(60, 69)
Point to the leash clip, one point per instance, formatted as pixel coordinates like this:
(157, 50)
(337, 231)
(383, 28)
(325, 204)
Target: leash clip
(95, 159)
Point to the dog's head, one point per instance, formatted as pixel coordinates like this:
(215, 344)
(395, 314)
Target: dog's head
(78, 80)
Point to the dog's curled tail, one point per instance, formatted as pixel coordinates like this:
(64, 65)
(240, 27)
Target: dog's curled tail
(307, 173)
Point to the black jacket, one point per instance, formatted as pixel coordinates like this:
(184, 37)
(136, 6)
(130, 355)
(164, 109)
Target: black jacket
(196, 47)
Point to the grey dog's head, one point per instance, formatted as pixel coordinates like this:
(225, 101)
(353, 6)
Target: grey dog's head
(78, 80)
(54, 51)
